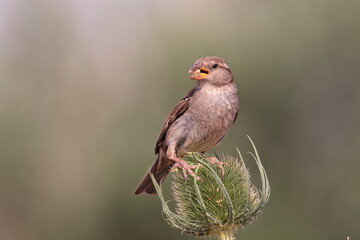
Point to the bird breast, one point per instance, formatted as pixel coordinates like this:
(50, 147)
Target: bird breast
(211, 113)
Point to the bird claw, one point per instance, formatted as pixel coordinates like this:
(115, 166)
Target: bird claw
(186, 168)
(215, 161)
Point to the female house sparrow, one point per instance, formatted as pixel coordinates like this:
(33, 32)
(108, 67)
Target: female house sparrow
(198, 122)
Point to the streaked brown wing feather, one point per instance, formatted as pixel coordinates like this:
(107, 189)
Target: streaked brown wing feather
(178, 110)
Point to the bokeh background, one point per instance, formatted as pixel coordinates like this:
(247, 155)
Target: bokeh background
(85, 87)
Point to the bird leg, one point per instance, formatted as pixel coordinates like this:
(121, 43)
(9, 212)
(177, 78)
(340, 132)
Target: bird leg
(186, 168)
(215, 161)
(180, 163)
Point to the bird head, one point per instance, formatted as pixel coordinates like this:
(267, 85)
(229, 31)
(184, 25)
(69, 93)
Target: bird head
(211, 69)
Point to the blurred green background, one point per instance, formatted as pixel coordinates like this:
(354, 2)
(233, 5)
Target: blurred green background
(85, 87)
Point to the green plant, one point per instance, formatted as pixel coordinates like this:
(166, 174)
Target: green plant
(215, 202)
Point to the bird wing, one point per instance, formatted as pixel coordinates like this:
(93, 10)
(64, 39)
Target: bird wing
(236, 115)
(225, 133)
(178, 110)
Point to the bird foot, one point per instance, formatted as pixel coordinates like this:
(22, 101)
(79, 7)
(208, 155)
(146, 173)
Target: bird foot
(215, 161)
(186, 168)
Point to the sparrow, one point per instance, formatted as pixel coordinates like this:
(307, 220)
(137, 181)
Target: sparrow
(197, 123)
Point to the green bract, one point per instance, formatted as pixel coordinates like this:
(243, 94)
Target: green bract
(213, 203)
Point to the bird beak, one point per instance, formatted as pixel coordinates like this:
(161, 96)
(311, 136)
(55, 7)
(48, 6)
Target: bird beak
(198, 72)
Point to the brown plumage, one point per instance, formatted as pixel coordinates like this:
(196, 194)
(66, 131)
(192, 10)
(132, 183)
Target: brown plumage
(198, 122)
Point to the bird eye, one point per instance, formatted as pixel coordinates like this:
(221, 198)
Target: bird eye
(215, 65)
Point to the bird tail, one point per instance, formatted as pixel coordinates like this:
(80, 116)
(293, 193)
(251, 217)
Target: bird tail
(146, 185)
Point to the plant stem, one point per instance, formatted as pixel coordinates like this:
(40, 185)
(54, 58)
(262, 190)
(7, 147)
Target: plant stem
(226, 235)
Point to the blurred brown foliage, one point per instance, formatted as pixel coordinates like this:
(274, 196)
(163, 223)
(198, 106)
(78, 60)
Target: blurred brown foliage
(86, 85)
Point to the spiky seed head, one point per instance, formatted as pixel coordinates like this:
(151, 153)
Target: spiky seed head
(215, 202)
